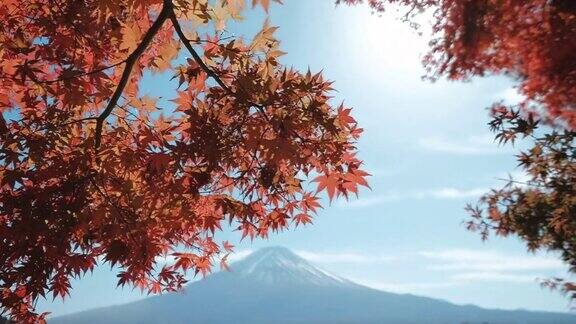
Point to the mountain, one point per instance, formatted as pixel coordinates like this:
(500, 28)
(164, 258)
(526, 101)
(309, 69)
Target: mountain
(274, 285)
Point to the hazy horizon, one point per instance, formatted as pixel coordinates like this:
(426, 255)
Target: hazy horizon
(273, 284)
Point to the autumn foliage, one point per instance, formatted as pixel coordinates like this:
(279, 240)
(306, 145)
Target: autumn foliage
(541, 208)
(93, 170)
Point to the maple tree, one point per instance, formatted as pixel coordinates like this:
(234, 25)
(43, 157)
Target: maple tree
(533, 42)
(541, 208)
(91, 170)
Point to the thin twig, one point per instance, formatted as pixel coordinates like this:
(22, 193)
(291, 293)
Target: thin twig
(195, 54)
(77, 121)
(81, 74)
(208, 70)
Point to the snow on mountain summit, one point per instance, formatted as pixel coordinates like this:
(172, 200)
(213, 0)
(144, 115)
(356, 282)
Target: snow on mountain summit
(279, 265)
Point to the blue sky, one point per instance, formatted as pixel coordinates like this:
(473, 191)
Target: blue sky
(430, 152)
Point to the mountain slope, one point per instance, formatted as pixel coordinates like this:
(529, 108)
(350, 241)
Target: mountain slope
(280, 266)
(273, 285)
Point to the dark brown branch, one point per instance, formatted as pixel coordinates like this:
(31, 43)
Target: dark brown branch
(210, 72)
(195, 55)
(3, 125)
(203, 66)
(130, 61)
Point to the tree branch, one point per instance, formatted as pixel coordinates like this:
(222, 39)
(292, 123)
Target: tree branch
(205, 67)
(130, 61)
(195, 55)
(77, 121)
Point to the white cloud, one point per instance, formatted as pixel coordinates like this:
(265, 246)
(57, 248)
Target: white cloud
(438, 193)
(468, 277)
(473, 145)
(405, 287)
(363, 202)
(459, 267)
(454, 280)
(488, 261)
(453, 193)
(511, 96)
(344, 257)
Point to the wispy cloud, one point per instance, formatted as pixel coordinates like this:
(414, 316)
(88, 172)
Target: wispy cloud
(453, 193)
(511, 96)
(458, 267)
(469, 277)
(405, 287)
(436, 193)
(473, 145)
(364, 202)
(453, 280)
(344, 257)
(487, 261)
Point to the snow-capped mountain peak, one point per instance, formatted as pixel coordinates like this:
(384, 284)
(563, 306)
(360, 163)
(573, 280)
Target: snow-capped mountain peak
(278, 265)
(274, 285)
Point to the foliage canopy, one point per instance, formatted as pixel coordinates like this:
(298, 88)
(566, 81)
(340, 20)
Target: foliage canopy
(91, 170)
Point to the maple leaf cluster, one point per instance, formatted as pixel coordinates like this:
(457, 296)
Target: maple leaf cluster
(540, 209)
(92, 171)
